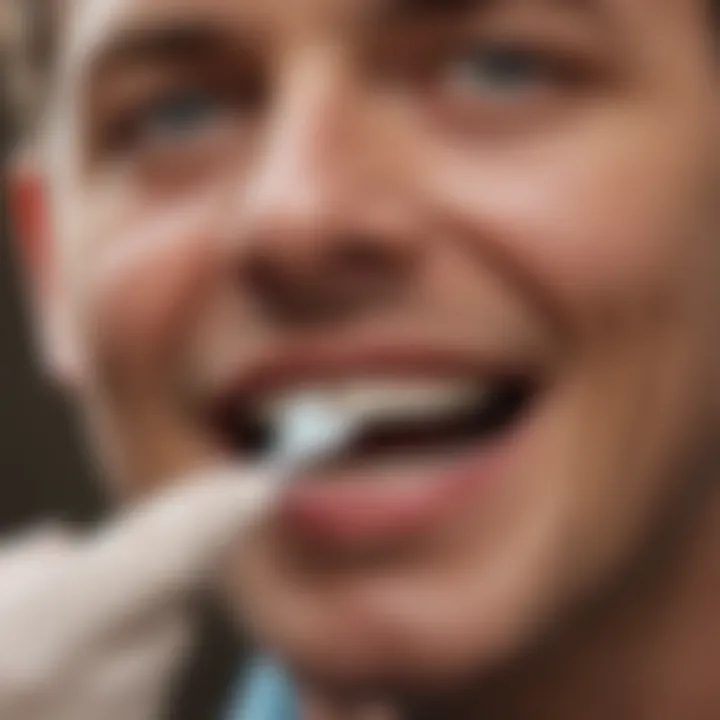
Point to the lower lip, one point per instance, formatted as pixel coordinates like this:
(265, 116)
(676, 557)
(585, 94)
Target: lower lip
(324, 508)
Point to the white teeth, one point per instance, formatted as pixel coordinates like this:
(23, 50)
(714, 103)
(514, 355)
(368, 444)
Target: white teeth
(386, 400)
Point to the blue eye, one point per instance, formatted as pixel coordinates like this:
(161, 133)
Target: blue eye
(500, 70)
(180, 115)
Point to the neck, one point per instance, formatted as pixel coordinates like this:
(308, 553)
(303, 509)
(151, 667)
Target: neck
(648, 650)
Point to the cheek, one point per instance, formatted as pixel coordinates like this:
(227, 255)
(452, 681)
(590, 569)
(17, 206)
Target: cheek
(139, 280)
(596, 221)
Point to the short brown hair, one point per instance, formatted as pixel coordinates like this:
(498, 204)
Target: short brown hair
(28, 30)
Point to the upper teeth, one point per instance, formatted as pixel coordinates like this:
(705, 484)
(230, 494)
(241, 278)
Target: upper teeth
(385, 400)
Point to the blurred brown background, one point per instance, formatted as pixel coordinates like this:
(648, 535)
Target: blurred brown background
(41, 469)
(44, 473)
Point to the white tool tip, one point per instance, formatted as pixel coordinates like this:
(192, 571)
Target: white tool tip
(311, 428)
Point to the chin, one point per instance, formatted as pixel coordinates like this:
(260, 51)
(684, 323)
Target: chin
(396, 634)
(425, 659)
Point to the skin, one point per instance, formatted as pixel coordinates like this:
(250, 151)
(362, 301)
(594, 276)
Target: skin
(566, 224)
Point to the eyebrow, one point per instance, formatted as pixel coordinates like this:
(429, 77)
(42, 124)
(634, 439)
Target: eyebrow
(165, 40)
(397, 10)
(407, 10)
(177, 39)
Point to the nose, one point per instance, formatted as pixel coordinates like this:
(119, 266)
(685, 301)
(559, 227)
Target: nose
(322, 233)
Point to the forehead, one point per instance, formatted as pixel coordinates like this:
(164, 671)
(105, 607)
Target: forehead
(90, 21)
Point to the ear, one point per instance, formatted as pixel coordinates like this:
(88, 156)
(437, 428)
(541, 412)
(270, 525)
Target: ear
(35, 250)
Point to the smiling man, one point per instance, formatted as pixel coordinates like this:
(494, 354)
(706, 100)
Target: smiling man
(489, 227)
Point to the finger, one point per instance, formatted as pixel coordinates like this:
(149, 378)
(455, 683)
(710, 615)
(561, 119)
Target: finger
(128, 677)
(140, 665)
(141, 566)
(31, 550)
(167, 548)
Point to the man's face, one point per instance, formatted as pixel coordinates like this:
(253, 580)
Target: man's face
(488, 228)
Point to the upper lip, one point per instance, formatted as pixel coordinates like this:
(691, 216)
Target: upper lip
(317, 364)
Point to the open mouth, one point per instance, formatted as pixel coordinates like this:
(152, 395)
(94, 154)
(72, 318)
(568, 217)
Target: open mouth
(435, 430)
(404, 417)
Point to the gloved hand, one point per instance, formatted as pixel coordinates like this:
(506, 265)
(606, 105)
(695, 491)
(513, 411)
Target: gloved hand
(93, 628)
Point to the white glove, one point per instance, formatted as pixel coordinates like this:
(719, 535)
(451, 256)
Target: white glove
(94, 628)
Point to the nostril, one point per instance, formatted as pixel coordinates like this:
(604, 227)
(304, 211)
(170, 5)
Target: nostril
(262, 276)
(288, 293)
(358, 258)
(327, 280)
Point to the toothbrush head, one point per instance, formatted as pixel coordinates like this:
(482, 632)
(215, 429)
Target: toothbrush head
(310, 429)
